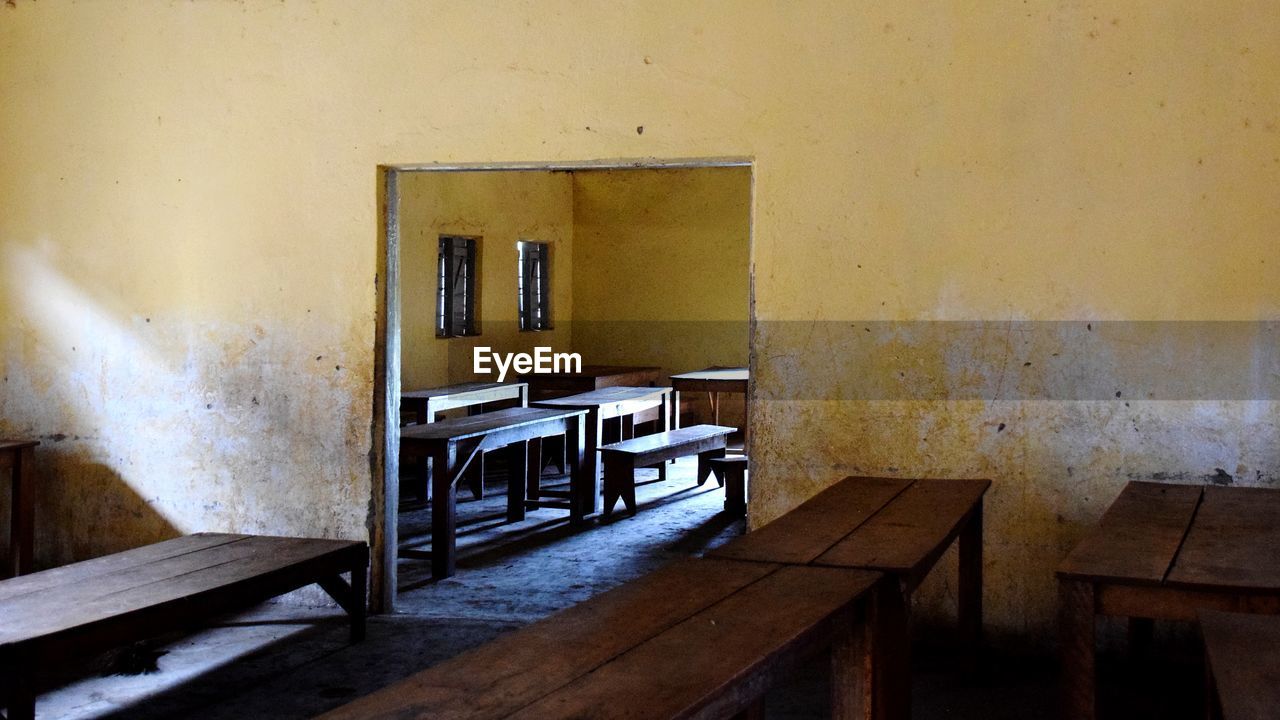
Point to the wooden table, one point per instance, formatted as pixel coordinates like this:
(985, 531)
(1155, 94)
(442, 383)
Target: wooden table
(19, 456)
(897, 526)
(1242, 665)
(74, 611)
(1164, 552)
(700, 638)
(453, 444)
(426, 404)
(544, 386)
(601, 405)
(713, 381)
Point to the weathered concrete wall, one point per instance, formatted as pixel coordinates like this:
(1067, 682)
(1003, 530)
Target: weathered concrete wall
(211, 166)
(661, 272)
(500, 208)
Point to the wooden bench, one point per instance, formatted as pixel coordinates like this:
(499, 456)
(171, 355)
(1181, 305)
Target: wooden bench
(1165, 552)
(453, 444)
(92, 606)
(1242, 665)
(701, 638)
(620, 460)
(897, 526)
(731, 472)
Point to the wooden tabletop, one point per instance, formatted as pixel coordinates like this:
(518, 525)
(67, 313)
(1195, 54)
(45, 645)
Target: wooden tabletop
(895, 525)
(459, 389)
(605, 396)
(7, 445)
(1187, 536)
(726, 374)
(476, 425)
(611, 644)
(1244, 658)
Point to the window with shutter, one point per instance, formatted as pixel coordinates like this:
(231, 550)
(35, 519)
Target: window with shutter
(456, 294)
(533, 283)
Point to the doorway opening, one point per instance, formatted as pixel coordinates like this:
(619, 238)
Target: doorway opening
(639, 267)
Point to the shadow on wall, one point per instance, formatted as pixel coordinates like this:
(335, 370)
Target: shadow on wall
(84, 509)
(60, 346)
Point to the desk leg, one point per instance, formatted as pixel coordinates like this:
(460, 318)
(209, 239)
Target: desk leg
(970, 593)
(1075, 627)
(893, 645)
(584, 466)
(22, 529)
(533, 477)
(675, 409)
(444, 539)
(517, 478)
(853, 663)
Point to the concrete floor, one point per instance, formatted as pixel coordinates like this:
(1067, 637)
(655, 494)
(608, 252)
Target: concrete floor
(286, 662)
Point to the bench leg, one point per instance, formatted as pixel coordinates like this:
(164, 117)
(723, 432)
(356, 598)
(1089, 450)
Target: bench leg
(619, 482)
(970, 590)
(704, 464)
(21, 701)
(853, 656)
(893, 646)
(735, 492)
(1075, 630)
(359, 609)
(517, 467)
(584, 473)
(443, 514)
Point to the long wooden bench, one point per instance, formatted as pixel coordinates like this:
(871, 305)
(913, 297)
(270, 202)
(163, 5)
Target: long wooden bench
(701, 638)
(897, 526)
(620, 460)
(76, 610)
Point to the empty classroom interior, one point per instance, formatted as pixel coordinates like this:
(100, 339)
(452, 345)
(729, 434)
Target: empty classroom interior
(1034, 245)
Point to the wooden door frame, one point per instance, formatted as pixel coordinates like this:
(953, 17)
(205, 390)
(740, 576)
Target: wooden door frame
(384, 460)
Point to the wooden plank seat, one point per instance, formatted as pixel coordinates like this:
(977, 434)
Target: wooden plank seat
(1242, 665)
(700, 638)
(621, 459)
(898, 526)
(87, 607)
(731, 472)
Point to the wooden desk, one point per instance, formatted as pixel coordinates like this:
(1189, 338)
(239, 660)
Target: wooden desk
(453, 444)
(700, 638)
(544, 386)
(19, 457)
(892, 525)
(74, 611)
(426, 404)
(1163, 552)
(601, 405)
(713, 381)
(1242, 665)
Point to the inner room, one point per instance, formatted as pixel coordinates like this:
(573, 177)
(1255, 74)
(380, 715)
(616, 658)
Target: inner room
(639, 274)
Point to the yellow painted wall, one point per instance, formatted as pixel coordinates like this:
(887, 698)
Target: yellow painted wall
(210, 167)
(661, 269)
(500, 208)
